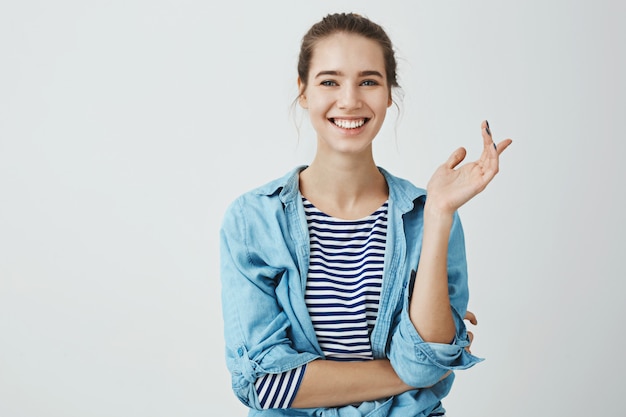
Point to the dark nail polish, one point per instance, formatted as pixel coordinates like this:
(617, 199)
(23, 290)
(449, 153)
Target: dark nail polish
(487, 123)
(488, 131)
(495, 146)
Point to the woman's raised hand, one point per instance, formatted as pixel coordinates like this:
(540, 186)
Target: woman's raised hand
(451, 187)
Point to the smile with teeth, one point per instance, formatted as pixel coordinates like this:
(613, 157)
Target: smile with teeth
(349, 124)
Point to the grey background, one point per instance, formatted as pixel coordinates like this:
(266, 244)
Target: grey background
(126, 127)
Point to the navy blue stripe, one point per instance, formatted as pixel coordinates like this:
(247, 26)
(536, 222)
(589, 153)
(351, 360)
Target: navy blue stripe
(325, 270)
(343, 223)
(279, 384)
(351, 246)
(373, 228)
(328, 340)
(260, 389)
(327, 259)
(297, 385)
(339, 297)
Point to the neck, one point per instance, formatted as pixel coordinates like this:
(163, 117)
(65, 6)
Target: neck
(344, 187)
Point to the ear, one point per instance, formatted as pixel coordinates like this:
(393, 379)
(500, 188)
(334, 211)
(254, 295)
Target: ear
(302, 96)
(389, 101)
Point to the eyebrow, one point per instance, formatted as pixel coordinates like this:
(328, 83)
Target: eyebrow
(366, 73)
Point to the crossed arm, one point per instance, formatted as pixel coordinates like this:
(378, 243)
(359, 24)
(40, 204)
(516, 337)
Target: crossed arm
(334, 384)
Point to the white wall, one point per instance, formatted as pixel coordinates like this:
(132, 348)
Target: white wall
(126, 127)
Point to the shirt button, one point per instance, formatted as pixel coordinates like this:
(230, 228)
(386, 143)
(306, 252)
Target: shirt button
(240, 352)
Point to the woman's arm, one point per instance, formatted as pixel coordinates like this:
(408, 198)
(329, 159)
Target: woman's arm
(448, 190)
(333, 384)
(430, 309)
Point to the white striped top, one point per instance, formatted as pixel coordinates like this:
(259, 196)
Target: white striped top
(342, 293)
(344, 281)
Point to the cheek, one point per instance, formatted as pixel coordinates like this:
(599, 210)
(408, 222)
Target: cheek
(317, 104)
(385, 102)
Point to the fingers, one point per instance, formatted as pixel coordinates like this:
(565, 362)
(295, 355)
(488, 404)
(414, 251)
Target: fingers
(490, 157)
(470, 335)
(471, 317)
(485, 128)
(490, 147)
(489, 142)
(486, 133)
(455, 158)
(503, 145)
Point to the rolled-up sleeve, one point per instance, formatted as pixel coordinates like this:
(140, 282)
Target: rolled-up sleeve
(423, 364)
(256, 328)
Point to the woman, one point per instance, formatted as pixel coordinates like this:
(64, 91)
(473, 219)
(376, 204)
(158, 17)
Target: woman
(345, 287)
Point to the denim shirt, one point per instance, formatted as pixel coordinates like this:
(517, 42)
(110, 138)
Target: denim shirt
(264, 260)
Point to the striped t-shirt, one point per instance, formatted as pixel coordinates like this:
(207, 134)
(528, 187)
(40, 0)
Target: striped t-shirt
(342, 293)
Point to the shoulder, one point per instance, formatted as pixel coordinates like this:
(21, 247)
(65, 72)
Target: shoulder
(283, 188)
(267, 198)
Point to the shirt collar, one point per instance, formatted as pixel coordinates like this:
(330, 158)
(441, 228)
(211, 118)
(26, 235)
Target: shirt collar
(402, 192)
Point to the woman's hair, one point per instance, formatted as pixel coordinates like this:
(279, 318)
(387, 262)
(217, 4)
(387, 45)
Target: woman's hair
(346, 23)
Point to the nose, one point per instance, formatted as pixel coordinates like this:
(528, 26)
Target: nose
(349, 98)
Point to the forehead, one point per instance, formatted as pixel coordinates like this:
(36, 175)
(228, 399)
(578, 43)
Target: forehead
(347, 52)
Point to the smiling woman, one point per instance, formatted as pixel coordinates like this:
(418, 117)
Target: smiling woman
(343, 286)
(346, 93)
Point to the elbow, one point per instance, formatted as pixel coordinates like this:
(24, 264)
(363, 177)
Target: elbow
(441, 331)
(437, 335)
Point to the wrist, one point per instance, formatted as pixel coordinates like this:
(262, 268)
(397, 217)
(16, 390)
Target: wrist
(437, 214)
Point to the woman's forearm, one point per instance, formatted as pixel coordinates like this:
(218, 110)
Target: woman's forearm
(430, 309)
(332, 384)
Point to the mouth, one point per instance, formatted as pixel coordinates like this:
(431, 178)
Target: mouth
(349, 123)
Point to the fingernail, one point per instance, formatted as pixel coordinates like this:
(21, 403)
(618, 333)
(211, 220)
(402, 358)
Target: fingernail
(495, 146)
(487, 123)
(488, 131)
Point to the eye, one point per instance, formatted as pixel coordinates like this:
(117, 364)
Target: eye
(328, 83)
(369, 83)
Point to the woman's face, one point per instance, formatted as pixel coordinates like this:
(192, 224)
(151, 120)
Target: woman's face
(346, 93)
